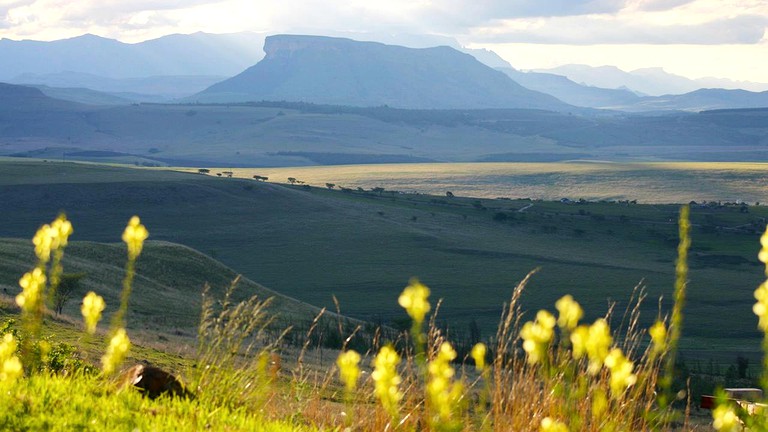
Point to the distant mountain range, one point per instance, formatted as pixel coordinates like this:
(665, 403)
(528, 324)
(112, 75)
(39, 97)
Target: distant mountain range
(232, 67)
(184, 55)
(647, 81)
(339, 71)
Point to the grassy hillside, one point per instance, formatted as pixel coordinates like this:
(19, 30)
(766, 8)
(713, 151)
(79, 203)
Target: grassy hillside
(363, 247)
(167, 291)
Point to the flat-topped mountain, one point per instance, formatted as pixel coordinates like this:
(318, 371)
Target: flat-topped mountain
(341, 71)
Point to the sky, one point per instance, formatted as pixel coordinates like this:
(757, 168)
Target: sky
(693, 38)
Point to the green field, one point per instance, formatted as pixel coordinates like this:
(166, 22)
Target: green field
(314, 243)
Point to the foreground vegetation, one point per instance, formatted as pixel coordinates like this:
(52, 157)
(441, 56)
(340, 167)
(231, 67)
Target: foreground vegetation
(551, 373)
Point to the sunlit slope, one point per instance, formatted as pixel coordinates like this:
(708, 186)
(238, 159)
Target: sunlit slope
(167, 290)
(362, 248)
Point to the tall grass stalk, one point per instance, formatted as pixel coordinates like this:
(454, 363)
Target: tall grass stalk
(233, 352)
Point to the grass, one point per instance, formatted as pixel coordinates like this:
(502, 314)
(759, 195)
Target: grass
(362, 248)
(234, 390)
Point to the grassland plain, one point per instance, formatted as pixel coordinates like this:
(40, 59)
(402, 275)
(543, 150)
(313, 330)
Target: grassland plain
(363, 247)
(655, 183)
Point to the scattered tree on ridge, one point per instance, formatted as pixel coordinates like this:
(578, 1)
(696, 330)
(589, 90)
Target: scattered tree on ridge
(330, 185)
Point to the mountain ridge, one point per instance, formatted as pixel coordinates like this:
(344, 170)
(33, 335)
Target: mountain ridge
(340, 71)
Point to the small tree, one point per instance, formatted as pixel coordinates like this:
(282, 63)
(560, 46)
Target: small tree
(203, 171)
(69, 284)
(292, 180)
(330, 185)
(260, 178)
(449, 194)
(228, 173)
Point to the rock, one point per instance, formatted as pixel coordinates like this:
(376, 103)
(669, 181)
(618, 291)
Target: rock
(152, 382)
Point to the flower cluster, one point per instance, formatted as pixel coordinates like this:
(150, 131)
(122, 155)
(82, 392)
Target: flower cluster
(537, 336)
(386, 379)
(414, 300)
(548, 424)
(594, 341)
(51, 237)
(93, 305)
(478, 355)
(348, 369)
(725, 419)
(761, 293)
(658, 333)
(621, 372)
(118, 348)
(569, 313)
(32, 285)
(133, 236)
(443, 393)
(10, 365)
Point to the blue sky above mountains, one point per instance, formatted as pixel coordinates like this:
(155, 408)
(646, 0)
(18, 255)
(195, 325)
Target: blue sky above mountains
(695, 38)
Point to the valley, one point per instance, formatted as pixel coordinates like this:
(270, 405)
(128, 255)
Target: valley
(312, 244)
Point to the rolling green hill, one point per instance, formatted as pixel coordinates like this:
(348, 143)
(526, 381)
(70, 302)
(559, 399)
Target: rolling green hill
(167, 292)
(362, 247)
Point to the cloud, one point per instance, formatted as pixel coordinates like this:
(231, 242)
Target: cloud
(591, 30)
(578, 22)
(659, 5)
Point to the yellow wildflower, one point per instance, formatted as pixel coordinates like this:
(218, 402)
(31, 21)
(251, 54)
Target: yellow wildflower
(133, 236)
(348, 368)
(93, 305)
(478, 354)
(51, 237)
(658, 333)
(593, 341)
(537, 335)
(414, 300)
(444, 394)
(621, 372)
(10, 366)
(725, 419)
(548, 424)
(32, 284)
(763, 255)
(569, 312)
(386, 379)
(118, 348)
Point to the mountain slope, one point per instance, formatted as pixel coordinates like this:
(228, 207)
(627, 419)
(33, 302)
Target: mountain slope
(570, 92)
(196, 54)
(346, 72)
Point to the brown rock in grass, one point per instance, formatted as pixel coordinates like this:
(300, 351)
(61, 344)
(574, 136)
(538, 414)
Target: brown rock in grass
(153, 382)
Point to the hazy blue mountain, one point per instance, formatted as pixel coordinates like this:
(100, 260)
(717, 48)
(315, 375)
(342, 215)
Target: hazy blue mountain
(83, 95)
(341, 71)
(23, 99)
(570, 92)
(144, 89)
(195, 54)
(702, 100)
(648, 81)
